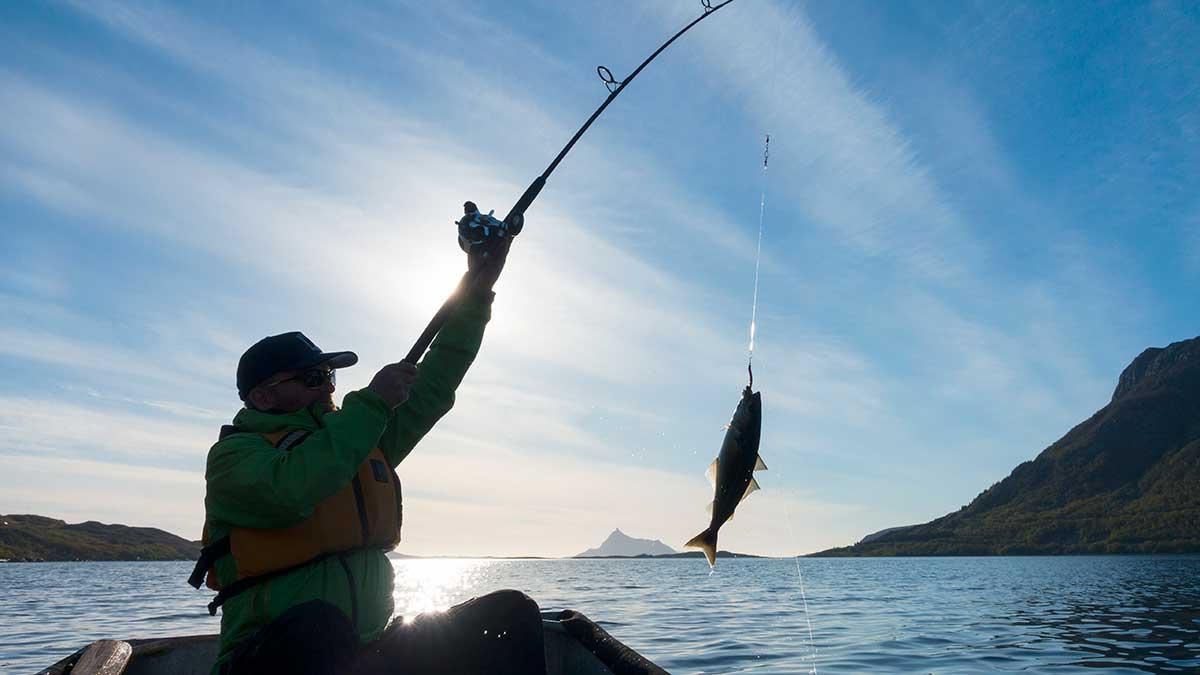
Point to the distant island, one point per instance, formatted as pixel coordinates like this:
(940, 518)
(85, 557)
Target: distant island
(660, 556)
(1127, 480)
(30, 538)
(620, 545)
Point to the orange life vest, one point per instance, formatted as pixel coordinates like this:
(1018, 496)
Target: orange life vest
(367, 513)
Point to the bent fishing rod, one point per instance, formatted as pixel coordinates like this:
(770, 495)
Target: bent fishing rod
(483, 234)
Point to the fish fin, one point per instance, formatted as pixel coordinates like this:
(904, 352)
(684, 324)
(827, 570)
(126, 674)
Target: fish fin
(709, 508)
(711, 473)
(751, 488)
(705, 541)
(760, 465)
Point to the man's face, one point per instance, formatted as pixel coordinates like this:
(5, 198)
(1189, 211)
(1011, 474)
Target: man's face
(293, 390)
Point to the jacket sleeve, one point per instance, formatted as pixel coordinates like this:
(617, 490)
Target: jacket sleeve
(442, 369)
(251, 484)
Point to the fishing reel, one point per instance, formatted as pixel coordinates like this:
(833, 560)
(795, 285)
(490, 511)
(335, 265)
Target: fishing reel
(480, 233)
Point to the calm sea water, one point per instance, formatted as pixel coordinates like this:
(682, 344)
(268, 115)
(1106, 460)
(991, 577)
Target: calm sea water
(915, 615)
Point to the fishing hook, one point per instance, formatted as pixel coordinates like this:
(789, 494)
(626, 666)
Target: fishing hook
(517, 214)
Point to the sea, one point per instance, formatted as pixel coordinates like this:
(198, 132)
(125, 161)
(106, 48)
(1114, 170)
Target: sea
(1127, 614)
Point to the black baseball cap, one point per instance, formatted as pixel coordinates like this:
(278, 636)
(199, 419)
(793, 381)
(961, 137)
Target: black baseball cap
(286, 351)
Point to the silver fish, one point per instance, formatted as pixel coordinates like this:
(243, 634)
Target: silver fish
(732, 472)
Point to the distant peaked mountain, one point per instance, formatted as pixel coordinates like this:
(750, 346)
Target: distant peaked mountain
(37, 538)
(621, 544)
(1127, 480)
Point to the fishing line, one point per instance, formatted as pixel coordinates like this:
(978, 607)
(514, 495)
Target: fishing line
(812, 646)
(762, 207)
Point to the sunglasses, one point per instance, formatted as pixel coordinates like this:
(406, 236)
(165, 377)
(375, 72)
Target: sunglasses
(313, 378)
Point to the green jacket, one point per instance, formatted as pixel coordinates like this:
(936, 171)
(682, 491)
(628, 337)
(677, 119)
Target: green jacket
(251, 484)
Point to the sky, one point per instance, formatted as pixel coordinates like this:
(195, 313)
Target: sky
(976, 215)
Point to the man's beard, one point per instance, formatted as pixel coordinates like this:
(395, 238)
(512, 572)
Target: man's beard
(322, 406)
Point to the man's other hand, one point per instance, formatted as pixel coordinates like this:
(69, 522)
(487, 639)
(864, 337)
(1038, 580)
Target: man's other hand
(393, 381)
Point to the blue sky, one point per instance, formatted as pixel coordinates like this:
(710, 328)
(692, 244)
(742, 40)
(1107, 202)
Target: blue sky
(976, 215)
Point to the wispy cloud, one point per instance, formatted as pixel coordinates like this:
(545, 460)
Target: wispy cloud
(175, 408)
(57, 428)
(78, 490)
(1191, 242)
(852, 172)
(53, 348)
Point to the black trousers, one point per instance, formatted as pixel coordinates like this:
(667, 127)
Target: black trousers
(496, 634)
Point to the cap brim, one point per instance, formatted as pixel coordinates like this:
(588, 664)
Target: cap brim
(331, 359)
(340, 359)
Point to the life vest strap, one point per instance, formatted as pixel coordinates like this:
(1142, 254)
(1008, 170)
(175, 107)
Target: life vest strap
(208, 557)
(292, 439)
(242, 585)
(211, 553)
(222, 547)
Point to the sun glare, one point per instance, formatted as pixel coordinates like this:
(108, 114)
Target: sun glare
(433, 585)
(439, 272)
(418, 283)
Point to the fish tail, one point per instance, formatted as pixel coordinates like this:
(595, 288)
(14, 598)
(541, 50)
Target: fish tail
(705, 541)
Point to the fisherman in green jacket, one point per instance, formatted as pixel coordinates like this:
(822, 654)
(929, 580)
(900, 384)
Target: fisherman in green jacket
(303, 503)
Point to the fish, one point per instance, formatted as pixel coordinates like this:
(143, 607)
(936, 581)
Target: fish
(732, 472)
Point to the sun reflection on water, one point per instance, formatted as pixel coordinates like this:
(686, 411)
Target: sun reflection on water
(434, 584)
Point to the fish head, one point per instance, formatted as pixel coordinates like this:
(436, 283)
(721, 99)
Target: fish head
(748, 416)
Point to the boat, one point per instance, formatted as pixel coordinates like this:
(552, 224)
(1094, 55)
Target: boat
(574, 646)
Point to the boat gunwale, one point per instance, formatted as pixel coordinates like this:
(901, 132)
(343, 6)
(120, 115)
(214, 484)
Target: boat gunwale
(552, 621)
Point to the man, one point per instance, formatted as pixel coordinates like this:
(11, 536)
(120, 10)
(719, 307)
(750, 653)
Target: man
(303, 502)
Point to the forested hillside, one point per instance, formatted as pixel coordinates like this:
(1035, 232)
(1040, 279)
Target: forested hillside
(1127, 480)
(37, 538)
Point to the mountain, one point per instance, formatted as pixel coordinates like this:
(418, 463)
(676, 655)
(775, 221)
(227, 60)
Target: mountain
(37, 538)
(875, 535)
(621, 544)
(1126, 480)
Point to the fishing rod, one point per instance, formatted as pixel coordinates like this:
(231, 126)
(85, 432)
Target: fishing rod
(485, 234)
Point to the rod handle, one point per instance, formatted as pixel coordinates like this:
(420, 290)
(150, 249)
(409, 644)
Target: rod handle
(516, 216)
